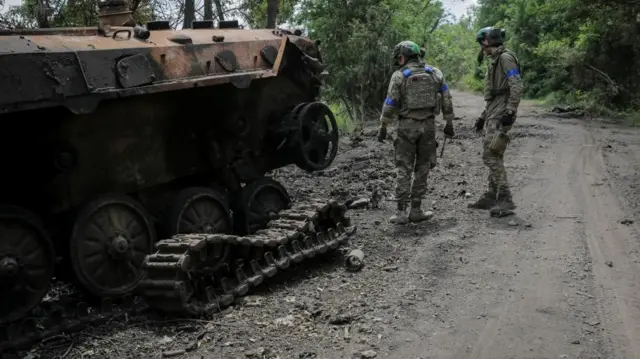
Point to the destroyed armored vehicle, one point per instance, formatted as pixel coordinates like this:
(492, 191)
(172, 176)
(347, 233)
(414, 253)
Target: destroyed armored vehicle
(117, 136)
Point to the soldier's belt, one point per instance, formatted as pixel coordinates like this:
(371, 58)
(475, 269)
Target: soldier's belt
(431, 117)
(498, 92)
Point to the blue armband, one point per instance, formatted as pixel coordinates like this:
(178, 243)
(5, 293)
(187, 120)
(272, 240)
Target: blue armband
(512, 73)
(390, 102)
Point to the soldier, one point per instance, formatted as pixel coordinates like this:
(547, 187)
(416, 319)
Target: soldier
(413, 97)
(502, 91)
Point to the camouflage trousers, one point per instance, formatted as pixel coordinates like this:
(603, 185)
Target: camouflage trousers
(497, 179)
(415, 154)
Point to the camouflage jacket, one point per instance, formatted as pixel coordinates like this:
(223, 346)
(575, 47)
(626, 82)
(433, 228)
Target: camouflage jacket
(416, 91)
(502, 84)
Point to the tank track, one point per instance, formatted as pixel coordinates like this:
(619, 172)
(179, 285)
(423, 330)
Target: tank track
(180, 281)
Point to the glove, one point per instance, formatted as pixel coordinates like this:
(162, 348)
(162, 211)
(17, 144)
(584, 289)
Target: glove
(382, 133)
(479, 124)
(508, 118)
(448, 130)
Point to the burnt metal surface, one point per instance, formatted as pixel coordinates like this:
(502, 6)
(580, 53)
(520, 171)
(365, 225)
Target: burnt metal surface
(227, 59)
(147, 115)
(52, 67)
(134, 71)
(269, 53)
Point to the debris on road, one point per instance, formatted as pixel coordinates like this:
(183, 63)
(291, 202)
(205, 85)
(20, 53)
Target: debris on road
(359, 203)
(355, 260)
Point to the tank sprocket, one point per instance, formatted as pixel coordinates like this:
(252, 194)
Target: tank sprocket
(317, 136)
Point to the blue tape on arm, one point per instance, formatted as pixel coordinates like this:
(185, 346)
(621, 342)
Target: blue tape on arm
(444, 88)
(406, 72)
(512, 73)
(428, 69)
(390, 102)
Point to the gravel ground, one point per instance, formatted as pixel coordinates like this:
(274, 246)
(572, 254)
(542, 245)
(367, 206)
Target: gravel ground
(558, 280)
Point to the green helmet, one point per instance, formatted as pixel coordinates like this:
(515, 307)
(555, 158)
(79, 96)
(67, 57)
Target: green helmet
(407, 49)
(494, 35)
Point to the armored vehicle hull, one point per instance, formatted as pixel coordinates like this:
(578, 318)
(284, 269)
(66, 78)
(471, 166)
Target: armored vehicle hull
(114, 137)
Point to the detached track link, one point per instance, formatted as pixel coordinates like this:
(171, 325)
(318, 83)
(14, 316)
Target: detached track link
(179, 280)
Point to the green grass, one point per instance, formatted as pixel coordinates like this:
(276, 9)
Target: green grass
(632, 117)
(471, 84)
(344, 122)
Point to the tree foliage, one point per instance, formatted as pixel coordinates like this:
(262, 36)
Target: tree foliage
(577, 50)
(358, 37)
(581, 51)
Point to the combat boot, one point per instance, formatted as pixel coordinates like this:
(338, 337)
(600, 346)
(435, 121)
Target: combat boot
(401, 214)
(505, 205)
(417, 214)
(487, 201)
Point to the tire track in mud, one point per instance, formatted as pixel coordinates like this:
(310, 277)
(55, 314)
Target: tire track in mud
(609, 242)
(539, 320)
(521, 293)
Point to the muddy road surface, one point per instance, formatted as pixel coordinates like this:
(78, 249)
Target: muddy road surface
(560, 279)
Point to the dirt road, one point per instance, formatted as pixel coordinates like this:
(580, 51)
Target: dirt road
(559, 280)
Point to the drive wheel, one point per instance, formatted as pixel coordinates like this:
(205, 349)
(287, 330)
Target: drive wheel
(109, 241)
(26, 262)
(260, 201)
(202, 210)
(317, 137)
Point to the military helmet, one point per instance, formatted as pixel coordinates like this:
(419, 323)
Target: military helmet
(495, 36)
(407, 49)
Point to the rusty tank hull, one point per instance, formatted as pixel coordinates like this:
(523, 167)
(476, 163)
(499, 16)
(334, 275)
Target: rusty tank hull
(117, 136)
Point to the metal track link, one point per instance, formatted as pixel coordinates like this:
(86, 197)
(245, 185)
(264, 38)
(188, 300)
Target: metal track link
(179, 279)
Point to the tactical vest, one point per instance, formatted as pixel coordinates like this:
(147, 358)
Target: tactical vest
(420, 89)
(497, 66)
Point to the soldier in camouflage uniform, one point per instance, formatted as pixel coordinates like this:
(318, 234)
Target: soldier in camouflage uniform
(502, 91)
(413, 97)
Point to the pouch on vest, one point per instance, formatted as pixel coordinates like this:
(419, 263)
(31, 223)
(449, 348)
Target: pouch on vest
(438, 104)
(499, 143)
(421, 89)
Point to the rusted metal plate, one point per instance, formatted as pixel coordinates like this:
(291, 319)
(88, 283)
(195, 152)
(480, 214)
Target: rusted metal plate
(227, 59)
(68, 66)
(269, 53)
(135, 71)
(161, 38)
(36, 77)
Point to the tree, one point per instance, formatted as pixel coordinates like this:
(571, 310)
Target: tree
(272, 13)
(189, 13)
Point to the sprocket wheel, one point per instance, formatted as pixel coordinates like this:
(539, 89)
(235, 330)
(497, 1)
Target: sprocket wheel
(260, 200)
(26, 262)
(202, 210)
(109, 241)
(317, 137)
